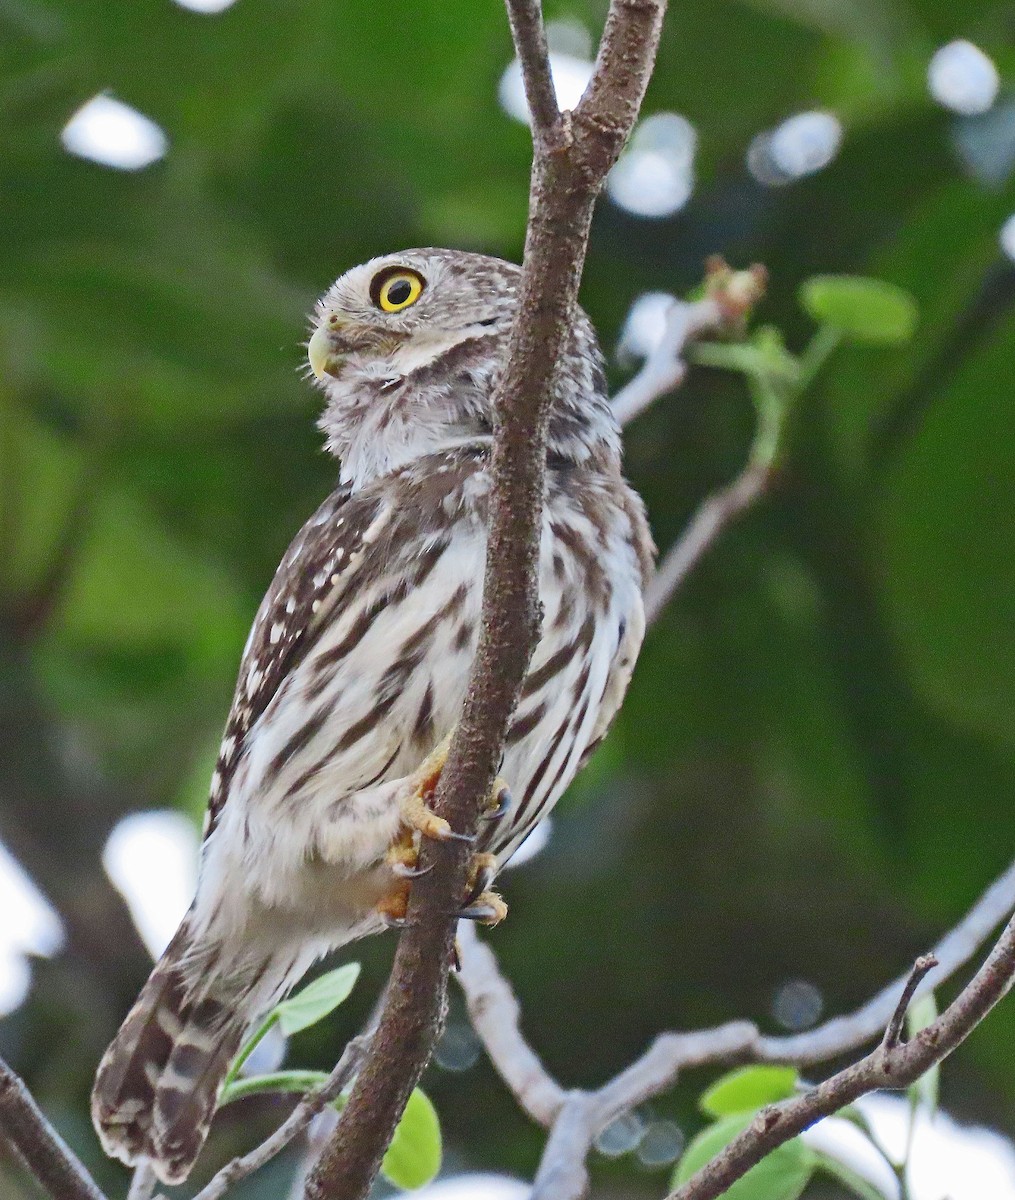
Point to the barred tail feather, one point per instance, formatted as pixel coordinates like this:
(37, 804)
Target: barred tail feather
(157, 1084)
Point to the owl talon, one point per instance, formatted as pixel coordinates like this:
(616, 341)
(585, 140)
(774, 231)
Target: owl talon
(481, 876)
(405, 871)
(502, 802)
(488, 909)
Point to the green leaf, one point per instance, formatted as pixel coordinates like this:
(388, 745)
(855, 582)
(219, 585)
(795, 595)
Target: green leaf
(782, 1175)
(277, 1081)
(857, 1184)
(924, 1092)
(747, 1089)
(317, 999)
(414, 1156)
(866, 310)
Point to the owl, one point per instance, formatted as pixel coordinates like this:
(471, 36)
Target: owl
(356, 667)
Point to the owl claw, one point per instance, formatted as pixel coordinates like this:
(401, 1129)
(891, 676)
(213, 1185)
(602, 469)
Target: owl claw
(481, 875)
(405, 870)
(488, 908)
(502, 802)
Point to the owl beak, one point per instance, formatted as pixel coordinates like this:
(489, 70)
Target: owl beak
(324, 362)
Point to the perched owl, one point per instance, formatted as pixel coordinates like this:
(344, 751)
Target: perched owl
(355, 671)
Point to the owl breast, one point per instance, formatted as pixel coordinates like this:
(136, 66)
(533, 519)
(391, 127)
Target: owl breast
(385, 679)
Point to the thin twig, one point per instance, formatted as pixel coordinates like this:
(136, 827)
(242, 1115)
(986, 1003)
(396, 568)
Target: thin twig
(713, 517)
(922, 967)
(529, 34)
(55, 1166)
(890, 1065)
(664, 368)
(301, 1116)
(495, 1016)
(143, 1181)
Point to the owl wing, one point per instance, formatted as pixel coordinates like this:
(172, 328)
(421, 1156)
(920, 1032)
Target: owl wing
(316, 571)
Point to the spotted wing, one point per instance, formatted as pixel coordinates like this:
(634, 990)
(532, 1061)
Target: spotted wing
(317, 570)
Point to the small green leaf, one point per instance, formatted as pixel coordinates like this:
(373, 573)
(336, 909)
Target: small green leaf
(866, 310)
(414, 1156)
(782, 1175)
(277, 1081)
(317, 999)
(854, 1183)
(924, 1092)
(747, 1089)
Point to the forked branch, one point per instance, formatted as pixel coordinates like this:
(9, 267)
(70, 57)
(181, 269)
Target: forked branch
(567, 175)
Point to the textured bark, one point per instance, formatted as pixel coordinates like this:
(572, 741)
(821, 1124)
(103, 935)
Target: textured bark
(573, 153)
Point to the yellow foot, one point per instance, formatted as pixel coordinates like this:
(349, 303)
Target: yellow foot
(488, 908)
(481, 902)
(395, 904)
(419, 821)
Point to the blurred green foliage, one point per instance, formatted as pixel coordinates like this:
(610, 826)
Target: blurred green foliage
(814, 772)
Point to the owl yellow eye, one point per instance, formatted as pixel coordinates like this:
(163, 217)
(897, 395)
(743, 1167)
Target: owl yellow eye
(394, 290)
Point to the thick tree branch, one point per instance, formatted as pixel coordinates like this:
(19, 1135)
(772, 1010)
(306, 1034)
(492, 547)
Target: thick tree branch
(567, 175)
(893, 1065)
(56, 1167)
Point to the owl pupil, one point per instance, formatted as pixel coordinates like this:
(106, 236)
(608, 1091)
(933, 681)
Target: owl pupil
(399, 292)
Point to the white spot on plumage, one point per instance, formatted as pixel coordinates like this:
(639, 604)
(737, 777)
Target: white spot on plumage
(315, 606)
(216, 784)
(290, 605)
(228, 748)
(277, 630)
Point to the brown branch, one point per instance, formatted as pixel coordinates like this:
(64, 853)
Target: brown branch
(713, 517)
(529, 34)
(313, 1102)
(55, 1167)
(576, 1118)
(892, 1065)
(568, 172)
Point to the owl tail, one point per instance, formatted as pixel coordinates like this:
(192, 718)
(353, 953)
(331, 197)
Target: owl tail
(157, 1084)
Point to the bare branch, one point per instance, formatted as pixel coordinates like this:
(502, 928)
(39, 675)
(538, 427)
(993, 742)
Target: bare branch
(713, 517)
(312, 1103)
(566, 178)
(922, 967)
(143, 1182)
(529, 34)
(576, 1118)
(55, 1167)
(664, 369)
(892, 1065)
(495, 1015)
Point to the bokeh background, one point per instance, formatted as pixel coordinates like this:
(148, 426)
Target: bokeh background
(813, 774)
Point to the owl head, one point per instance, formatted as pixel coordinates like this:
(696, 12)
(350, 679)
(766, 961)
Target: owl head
(408, 349)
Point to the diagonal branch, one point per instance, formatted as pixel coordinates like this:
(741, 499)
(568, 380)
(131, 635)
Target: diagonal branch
(529, 34)
(56, 1167)
(566, 178)
(893, 1065)
(313, 1102)
(575, 1118)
